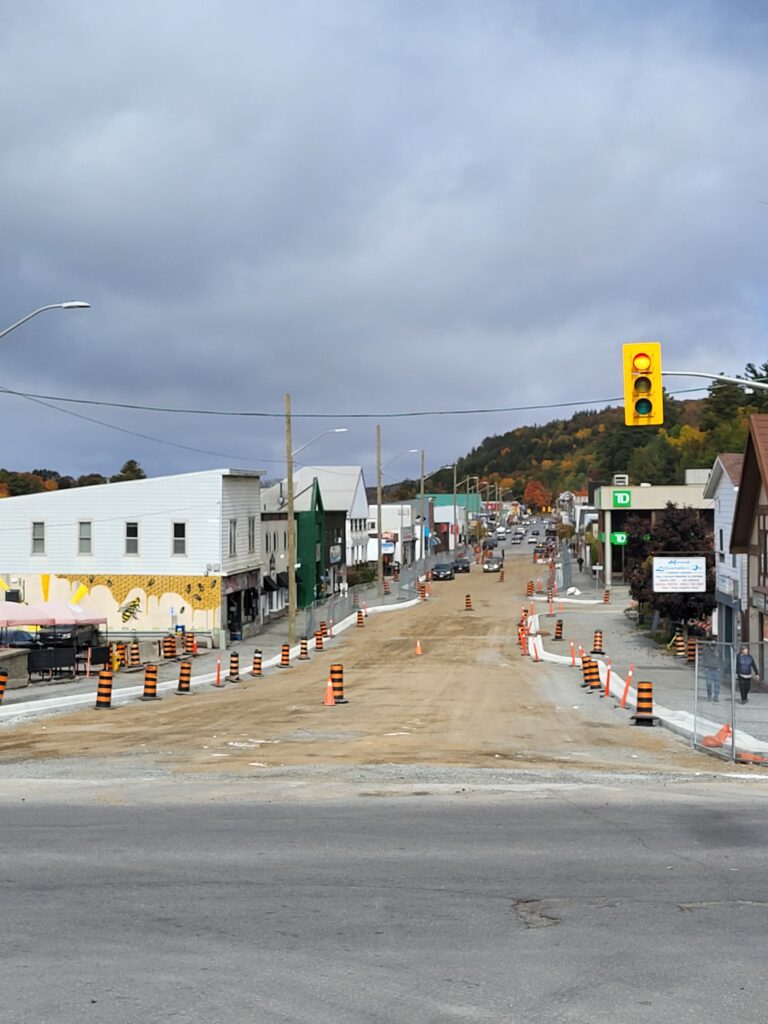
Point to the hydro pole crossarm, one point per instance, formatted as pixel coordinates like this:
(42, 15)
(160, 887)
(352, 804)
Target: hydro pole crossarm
(717, 376)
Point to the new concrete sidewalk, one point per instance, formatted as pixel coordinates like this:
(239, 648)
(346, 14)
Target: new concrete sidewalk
(673, 679)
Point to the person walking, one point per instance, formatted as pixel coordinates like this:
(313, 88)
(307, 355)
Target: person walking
(580, 563)
(710, 662)
(745, 669)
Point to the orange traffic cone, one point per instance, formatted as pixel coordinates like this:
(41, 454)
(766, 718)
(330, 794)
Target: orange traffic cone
(329, 700)
(418, 647)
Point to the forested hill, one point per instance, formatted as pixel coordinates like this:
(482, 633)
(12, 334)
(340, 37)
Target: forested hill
(565, 454)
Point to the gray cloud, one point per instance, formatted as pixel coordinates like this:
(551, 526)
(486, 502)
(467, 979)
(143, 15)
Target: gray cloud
(377, 206)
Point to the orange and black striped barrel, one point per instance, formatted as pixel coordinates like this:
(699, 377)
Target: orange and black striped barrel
(523, 616)
(529, 588)
(185, 677)
(597, 643)
(104, 690)
(318, 640)
(285, 657)
(644, 712)
(690, 656)
(150, 683)
(120, 652)
(169, 647)
(234, 668)
(337, 682)
(189, 645)
(606, 597)
(421, 590)
(303, 651)
(593, 675)
(501, 575)
(360, 620)
(324, 629)
(256, 670)
(558, 630)
(386, 587)
(679, 645)
(468, 603)
(3, 683)
(586, 662)
(134, 656)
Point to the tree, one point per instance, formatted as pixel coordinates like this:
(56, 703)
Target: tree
(131, 471)
(677, 531)
(90, 480)
(536, 495)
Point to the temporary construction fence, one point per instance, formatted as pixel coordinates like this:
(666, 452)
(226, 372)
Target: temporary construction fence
(728, 721)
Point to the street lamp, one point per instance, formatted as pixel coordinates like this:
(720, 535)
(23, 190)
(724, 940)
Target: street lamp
(53, 305)
(289, 456)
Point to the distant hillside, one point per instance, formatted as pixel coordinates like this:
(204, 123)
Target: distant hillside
(565, 454)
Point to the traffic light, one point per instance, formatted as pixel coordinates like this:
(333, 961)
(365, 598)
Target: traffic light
(643, 395)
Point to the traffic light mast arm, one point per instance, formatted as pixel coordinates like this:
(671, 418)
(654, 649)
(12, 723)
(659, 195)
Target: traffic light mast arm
(745, 383)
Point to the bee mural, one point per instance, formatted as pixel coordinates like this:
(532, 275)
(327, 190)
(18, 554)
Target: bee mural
(130, 610)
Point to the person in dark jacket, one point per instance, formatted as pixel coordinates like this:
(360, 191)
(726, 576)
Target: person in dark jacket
(745, 669)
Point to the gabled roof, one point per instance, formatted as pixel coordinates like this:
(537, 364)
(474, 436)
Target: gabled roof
(728, 465)
(754, 476)
(342, 488)
(306, 498)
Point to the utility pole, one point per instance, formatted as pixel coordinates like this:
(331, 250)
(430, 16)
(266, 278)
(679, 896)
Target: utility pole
(455, 513)
(291, 524)
(380, 555)
(423, 523)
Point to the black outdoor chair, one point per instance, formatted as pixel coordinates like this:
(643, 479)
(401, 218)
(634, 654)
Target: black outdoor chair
(99, 658)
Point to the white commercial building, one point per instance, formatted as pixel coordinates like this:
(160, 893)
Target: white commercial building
(398, 533)
(150, 555)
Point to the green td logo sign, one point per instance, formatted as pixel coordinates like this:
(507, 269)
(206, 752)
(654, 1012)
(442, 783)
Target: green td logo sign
(622, 499)
(619, 539)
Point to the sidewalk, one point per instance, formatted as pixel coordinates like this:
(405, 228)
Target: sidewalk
(673, 679)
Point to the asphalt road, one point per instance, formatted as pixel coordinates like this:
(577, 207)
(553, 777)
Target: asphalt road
(637, 902)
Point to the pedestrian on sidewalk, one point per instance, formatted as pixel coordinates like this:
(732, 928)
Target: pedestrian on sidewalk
(745, 669)
(711, 662)
(580, 563)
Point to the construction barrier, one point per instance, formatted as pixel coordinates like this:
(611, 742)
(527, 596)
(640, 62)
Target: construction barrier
(190, 645)
(597, 643)
(185, 677)
(324, 629)
(690, 652)
(285, 657)
(644, 711)
(337, 683)
(3, 683)
(627, 684)
(303, 652)
(588, 667)
(120, 653)
(104, 691)
(522, 639)
(328, 699)
(529, 589)
(169, 647)
(418, 647)
(421, 589)
(134, 657)
(234, 668)
(150, 683)
(679, 642)
(468, 603)
(387, 587)
(318, 640)
(501, 575)
(256, 670)
(360, 620)
(558, 630)
(606, 597)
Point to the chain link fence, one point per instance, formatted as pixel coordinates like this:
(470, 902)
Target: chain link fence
(728, 721)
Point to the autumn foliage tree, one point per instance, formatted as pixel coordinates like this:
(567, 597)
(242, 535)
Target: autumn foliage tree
(536, 494)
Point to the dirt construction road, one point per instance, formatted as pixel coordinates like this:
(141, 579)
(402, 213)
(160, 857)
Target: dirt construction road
(469, 700)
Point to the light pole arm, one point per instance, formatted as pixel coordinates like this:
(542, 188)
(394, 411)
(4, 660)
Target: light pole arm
(715, 376)
(53, 305)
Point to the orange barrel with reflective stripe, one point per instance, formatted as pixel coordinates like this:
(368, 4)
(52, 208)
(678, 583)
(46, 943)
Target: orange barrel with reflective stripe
(644, 713)
(234, 667)
(597, 643)
(360, 620)
(256, 670)
(468, 603)
(324, 629)
(150, 683)
(104, 690)
(337, 682)
(585, 671)
(185, 677)
(318, 640)
(169, 647)
(134, 656)
(189, 645)
(303, 652)
(558, 630)
(285, 657)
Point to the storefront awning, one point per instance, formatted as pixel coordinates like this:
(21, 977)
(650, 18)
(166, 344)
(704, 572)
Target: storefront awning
(282, 579)
(268, 584)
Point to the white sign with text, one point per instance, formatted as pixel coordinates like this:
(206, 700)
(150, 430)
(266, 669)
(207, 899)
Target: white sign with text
(679, 574)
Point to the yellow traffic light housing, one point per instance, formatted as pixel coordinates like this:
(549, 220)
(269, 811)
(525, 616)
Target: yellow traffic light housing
(643, 395)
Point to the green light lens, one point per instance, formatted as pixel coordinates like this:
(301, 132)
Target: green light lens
(643, 407)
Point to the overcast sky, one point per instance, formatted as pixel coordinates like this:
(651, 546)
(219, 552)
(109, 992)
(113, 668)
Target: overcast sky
(378, 207)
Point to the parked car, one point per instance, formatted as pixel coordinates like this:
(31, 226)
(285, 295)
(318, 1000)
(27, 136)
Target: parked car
(20, 638)
(78, 635)
(493, 564)
(461, 565)
(533, 540)
(516, 539)
(442, 571)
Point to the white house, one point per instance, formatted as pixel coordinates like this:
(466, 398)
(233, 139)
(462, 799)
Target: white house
(398, 533)
(343, 490)
(150, 555)
(730, 570)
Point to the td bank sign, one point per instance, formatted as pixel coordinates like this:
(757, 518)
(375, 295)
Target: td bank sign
(622, 499)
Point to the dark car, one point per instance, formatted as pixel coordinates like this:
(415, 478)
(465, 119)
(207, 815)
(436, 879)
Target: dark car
(493, 564)
(20, 638)
(78, 635)
(461, 565)
(489, 543)
(443, 571)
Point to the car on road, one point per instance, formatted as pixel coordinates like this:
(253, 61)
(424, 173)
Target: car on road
(493, 564)
(442, 571)
(533, 540)
(461, 565)
(20, 638)
(516, 539)
(78, 635)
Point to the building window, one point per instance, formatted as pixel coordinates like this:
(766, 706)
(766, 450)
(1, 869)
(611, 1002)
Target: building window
(267, 536)
(84, 538)
(131, 538)
(38, 538)
(179, 538)
(285, 540)
(251, 534)
(233, 536)
(274, 541)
